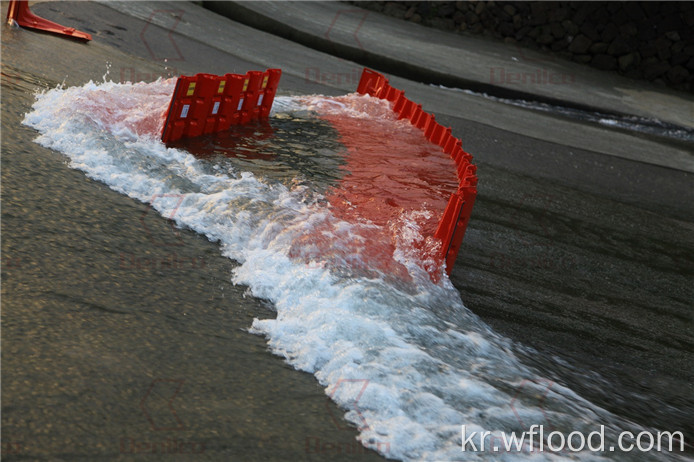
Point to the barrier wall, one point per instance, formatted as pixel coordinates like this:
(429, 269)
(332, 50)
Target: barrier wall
(453, 223)
(207, 103)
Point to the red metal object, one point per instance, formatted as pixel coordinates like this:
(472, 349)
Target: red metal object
(207, 103)
(20, 13)
(453, 223)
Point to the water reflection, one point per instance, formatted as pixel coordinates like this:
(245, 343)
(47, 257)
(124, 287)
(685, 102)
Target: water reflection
(287, 148)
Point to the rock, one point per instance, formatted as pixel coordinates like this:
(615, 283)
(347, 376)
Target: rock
(633, 11)
(442, 23)
(522, 32)
(558, 14)
(604, 62)
(471, 18)
(626, 61)
(650, 8)
(629, 29)
(458, 17)
(649, 49)
(662, 46)
(461, 5)
(598, 48)
(510, 40)
(609, 33)
(479, 8)
(679, 58)
(618, 47)
(655, 70)
(506, 29)
(417, 18)
(690, 64)
(545, 39)
(410, 12)
(570, 27)
(673, 35)
(510, 10)
(517, 21)
(677, 74)
(557, 30)
(583, 59)
(395, 10)
(688, 17)
(559, 45)
(590, 31)
(580, 44)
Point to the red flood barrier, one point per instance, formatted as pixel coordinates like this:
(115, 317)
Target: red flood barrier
(453, 223)
(20, 13)
(207, 103)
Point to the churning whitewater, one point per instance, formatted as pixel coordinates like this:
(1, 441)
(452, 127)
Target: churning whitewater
(406, 360)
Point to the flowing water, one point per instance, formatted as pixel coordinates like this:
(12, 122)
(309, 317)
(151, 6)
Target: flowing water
(401, 355)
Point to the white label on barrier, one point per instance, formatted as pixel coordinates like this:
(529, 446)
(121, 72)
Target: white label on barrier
(240, 104)
(260, 100)
(184, 111)
(215, 108)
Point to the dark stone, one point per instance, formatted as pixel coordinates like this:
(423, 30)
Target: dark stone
(688, 17)
(677, 74)
(570, 27)
(626, 61)
(648, 49)
(558, 14)
(458, 17)
(598, 48)
(510, 10)
(679, 58)
(580, 44)
(590, 31)
(604, 62)
(673, 35)
(628, 29)
(559, 45)
(634, 11)
(506, 29)
(446, 9)
(396, 10)
(545, 39)
(619, 46)
(583, 59)
(655, 70)
(650, 8)
(609, 33)
(557, 30)
(647, 32)
(442, 23)
(582, 13)
(690, 64)
(471, 18)
(522, 32)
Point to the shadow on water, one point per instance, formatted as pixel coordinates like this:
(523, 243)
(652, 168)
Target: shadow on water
(276, 150)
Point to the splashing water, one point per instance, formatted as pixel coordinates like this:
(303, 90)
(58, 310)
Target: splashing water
(403, 356)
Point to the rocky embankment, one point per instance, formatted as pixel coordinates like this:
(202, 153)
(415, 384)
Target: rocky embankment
(642, 40)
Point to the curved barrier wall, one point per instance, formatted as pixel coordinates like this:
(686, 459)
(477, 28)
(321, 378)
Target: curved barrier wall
(453, 223)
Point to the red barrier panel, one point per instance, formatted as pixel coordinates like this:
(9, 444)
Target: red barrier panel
(453, 223)
(19, 12)
(209, 103)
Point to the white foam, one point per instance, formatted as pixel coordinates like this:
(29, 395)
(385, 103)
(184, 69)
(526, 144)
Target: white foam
(408, 362)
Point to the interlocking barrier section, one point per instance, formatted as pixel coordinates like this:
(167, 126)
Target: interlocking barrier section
(207, 103)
